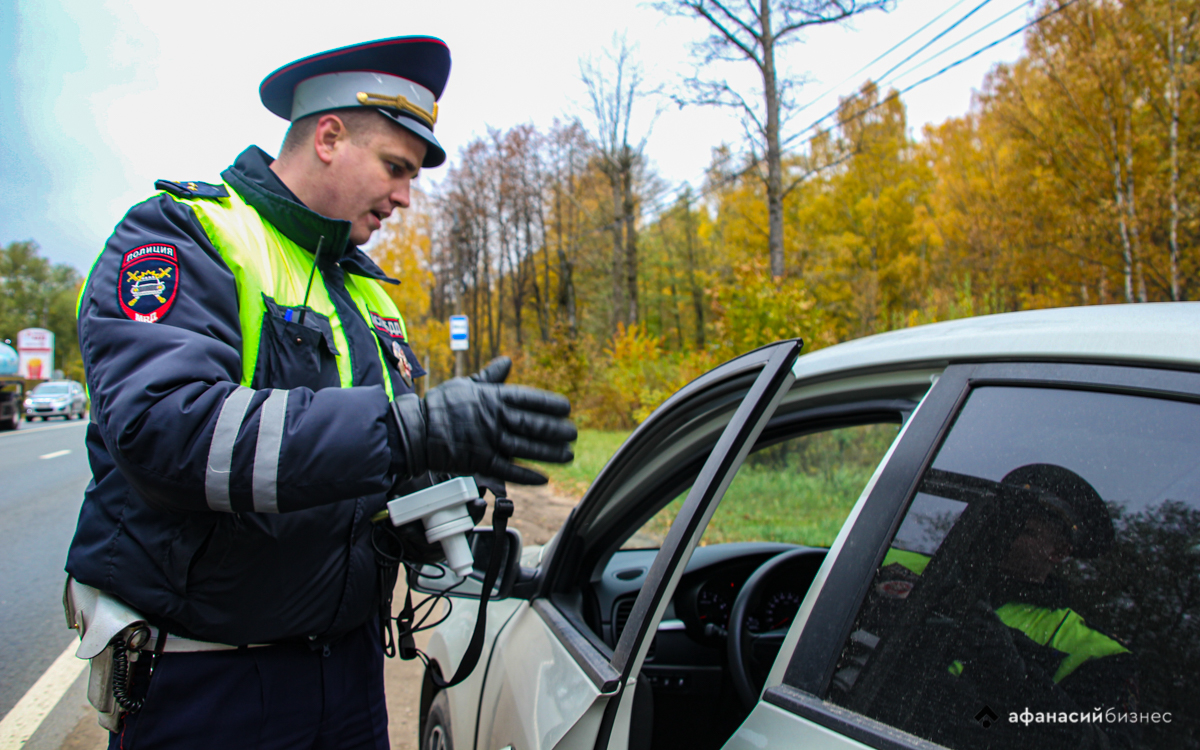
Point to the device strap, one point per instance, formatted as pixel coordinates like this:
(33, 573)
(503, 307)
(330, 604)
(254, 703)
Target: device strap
(501, 511)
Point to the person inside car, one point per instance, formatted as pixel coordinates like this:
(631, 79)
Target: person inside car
(1001, 634)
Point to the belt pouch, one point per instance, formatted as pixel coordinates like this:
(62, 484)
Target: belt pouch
(99, 617)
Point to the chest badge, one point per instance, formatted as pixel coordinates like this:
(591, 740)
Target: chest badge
(402, 363)
(148, 282)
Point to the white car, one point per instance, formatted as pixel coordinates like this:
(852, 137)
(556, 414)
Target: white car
(978, 533)
(56, 398)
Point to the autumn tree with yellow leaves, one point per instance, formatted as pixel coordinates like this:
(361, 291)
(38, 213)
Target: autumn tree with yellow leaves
(1073, 180)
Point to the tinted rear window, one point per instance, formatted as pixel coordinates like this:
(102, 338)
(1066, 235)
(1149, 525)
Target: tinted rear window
(1044, 586)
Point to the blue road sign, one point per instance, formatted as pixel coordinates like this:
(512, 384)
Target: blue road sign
(459, 330)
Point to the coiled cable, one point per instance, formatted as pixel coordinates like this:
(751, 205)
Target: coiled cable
(121, 686)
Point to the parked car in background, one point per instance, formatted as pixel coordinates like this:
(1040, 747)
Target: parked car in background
(56, 398)
(11, 404)
(978, 533)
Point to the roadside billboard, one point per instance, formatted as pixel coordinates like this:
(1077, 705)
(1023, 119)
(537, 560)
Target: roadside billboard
(35, 351)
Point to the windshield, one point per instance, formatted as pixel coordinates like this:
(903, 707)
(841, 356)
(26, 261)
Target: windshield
(52, 389)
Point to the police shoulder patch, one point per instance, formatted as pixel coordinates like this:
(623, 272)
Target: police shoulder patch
(387, 326)
(148, 282)
(188, 189)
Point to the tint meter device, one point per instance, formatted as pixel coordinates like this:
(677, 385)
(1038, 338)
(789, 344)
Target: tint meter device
(442, 510)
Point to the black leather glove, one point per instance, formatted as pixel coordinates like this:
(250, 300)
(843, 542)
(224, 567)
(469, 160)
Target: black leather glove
(477, 425)
(496, 371)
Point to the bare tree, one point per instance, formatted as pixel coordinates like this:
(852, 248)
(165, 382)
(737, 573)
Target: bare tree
(755, 31)
(692, 251)
(613, 87)
(567, 146)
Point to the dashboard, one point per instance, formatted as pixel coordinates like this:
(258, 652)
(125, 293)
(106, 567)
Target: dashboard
(706, 593)
(715, 596)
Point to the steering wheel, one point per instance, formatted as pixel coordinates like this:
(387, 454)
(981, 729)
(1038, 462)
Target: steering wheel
(748, 652)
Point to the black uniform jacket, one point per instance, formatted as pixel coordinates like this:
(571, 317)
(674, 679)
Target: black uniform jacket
(146, 532)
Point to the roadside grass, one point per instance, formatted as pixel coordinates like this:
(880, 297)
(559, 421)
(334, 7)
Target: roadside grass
(797, 492)
(763, 504)
(766, 505)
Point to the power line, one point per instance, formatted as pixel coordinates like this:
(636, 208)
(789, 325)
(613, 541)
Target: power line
(892, 49)
(973, 34)
(987, 47)
(659, 203)
(892, 69)
(901, 92)
(929, 44)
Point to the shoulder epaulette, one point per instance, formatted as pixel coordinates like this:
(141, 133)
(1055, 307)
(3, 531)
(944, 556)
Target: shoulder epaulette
(192, 189)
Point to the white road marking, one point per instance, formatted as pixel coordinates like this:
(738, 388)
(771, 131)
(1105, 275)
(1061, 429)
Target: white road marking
(27, 430)
(25, 717)
(55, 454)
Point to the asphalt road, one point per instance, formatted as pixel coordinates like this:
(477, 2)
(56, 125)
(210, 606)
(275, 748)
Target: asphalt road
(43, 472)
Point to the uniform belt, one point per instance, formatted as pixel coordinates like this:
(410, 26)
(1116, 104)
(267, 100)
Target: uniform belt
(179, 644)
(100, 617)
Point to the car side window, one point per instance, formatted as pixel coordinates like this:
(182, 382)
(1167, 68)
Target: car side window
(797, 491)
(1044, 583)
(800, 490)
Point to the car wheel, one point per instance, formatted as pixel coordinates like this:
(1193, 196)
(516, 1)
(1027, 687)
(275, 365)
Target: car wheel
(437, 725)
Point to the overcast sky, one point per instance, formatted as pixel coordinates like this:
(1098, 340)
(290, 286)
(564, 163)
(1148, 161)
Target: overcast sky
(100, 99)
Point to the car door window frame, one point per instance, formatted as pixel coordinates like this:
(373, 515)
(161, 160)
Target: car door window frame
(593, 659)
(555, 593)
(559, 609)
(811, 665)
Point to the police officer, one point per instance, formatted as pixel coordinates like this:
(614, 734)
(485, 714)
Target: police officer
(252, 405)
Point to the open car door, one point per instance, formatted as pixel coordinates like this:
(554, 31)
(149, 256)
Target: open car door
(551, 682)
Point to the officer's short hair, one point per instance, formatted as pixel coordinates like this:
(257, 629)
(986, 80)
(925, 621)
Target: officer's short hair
(361, 123)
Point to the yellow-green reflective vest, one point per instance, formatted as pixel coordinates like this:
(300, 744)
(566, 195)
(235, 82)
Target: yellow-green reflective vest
(264, 261)
(1062, 629)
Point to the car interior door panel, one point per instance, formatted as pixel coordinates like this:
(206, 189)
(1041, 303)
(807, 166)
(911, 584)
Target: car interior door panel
(529, 652)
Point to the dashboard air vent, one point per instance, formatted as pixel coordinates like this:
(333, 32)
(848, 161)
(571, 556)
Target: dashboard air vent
(621, 612)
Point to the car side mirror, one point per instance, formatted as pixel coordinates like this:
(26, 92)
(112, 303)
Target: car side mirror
(440, 580)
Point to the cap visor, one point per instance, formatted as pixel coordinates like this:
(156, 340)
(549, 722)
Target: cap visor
(435, 155)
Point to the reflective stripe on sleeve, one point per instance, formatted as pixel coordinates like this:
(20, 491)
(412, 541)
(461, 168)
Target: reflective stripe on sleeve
(267, 450)
(220, 451)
